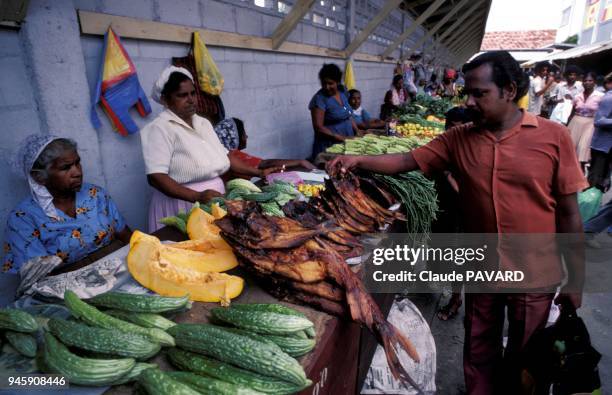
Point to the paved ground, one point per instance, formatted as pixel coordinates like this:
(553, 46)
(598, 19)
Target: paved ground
(596, 311)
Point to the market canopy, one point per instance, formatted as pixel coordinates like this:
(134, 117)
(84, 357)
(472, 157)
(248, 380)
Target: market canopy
(572, 53)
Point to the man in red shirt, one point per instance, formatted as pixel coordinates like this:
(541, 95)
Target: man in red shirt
(518, 174)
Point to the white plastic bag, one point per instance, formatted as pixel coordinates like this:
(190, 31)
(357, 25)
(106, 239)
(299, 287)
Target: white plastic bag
(409, 320)
(562, 112)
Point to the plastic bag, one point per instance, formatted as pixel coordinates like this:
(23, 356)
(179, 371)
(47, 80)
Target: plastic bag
(562, 112)
(561, 356)
(209, 76)
(589, 202)
(349, 76)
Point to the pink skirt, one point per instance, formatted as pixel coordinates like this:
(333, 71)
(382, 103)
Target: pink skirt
(164, 206)
(581, 129)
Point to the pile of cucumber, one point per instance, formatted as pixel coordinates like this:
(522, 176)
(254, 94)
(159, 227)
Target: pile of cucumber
(376, 145)
(251, 348)
(271, 197)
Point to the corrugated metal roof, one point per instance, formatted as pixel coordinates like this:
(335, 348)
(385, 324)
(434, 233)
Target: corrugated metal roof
(573, 53)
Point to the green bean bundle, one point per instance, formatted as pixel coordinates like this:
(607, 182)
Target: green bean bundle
(418, 195)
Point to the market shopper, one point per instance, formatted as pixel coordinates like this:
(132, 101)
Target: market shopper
(63, 216)
(448, 88)
(601, 144)
(538, 85)
(362, 118)
(183, 156)
(234, 127)
(581, 126)
(394, 98)
(330, 111)
(518, 174)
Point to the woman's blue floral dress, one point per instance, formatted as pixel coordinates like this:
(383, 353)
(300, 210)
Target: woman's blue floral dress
(30, 233)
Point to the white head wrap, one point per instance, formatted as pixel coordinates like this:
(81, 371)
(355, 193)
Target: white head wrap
(30, 149)
(158, 87)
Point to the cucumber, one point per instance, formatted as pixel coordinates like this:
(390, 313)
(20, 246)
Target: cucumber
(261, 197)
(24, 343)
(133, 374)
(95, 317)
(210, 386)
(275, 308)
(102, 340)
(239, 183)
(146, 320)
(293, 346)
(239, 350)
(219, 370)
(139, 303)
(262, 321)
(17, 321)
(156, 382)
(56, 358)
(252, 335)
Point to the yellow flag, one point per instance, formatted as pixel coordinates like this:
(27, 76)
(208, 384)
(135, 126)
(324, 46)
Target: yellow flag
(349, 76)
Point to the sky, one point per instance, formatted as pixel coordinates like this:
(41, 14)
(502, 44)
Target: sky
(524, 15)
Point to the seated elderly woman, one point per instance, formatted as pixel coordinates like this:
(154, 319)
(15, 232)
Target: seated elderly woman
(63, 216)
(183, 156)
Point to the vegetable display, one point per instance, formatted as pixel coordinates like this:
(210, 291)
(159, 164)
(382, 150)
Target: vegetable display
(94, 349)
(377, 145)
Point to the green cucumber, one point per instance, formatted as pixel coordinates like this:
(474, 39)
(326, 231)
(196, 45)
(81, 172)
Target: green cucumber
(146, 320)
(275, 308)
(220, 370)
(139, 303)
(17, 321)
(210, 386)
(102, 340)
(24, 343)
(133, 374)
(262, 321)
(293, 346)
(239, 350)
(261, 197)
(56, 358)
(95, 317)
(156, 382)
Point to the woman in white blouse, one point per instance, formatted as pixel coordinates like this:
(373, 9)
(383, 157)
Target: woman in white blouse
(183, 156)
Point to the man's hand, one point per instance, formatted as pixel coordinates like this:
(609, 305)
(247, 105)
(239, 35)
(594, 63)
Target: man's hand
(344, 163)
(206, 195)
(571, 300)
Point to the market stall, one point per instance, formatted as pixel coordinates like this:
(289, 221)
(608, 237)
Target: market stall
(273, 299)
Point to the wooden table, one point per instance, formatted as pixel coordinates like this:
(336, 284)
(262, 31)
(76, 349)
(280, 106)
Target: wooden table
(334, 363)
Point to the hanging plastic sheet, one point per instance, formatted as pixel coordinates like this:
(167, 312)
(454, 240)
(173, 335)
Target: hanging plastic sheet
(118, 88)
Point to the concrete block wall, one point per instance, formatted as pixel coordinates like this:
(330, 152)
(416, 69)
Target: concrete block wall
(18, 117)
(269, 91)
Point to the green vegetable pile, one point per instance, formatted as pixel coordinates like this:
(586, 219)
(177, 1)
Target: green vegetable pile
(376, 145)
(271, 198)
(425, 105)
(419, 197)
(252, 352)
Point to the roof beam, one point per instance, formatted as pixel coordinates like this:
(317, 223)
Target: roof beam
(463, 17)
(461, 44)
(461, 34)
(471, 39)
(389, 6)
(422, 18)
(290, 21)
(438, 25)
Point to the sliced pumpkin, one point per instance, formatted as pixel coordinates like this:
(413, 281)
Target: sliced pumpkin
(215, 242)
(212, 261)
(200, 225)
(148, 266)
(138, 235)
(217, 211)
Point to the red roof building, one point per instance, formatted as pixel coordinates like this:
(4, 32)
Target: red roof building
(517, 40)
